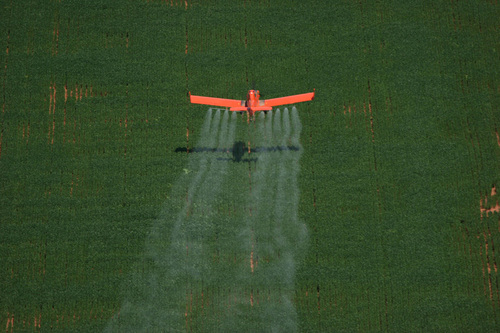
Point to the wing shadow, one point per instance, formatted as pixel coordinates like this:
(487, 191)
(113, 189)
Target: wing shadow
(238, 151)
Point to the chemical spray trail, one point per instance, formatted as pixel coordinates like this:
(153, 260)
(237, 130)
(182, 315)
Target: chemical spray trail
(272, 237)
(174, 257)
(222, 255)
(259, 245)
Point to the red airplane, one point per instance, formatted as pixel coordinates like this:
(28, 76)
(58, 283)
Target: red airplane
(253, 102)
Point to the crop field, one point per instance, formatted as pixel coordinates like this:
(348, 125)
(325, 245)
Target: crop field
(375, 207)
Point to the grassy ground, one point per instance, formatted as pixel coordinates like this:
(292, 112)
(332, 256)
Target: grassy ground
(396, 176)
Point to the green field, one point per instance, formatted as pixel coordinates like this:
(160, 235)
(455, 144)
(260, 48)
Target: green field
(372, 208)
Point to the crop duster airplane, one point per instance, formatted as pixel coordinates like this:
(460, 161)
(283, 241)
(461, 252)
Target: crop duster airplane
(253, 102)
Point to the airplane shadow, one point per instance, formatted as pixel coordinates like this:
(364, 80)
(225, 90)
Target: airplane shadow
(238, 151)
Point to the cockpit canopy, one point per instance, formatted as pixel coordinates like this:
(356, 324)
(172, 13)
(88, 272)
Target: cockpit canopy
(253, 94)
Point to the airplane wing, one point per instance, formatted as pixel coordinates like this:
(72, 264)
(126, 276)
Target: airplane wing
(289, 99)
(216, 101)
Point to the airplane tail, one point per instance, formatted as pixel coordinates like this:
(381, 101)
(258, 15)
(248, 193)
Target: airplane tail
(255, 108)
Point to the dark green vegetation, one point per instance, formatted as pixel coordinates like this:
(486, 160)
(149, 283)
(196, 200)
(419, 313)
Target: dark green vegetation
(400, 155)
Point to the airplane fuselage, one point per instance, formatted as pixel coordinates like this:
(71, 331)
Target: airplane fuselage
(253, 97)
(252, 104)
